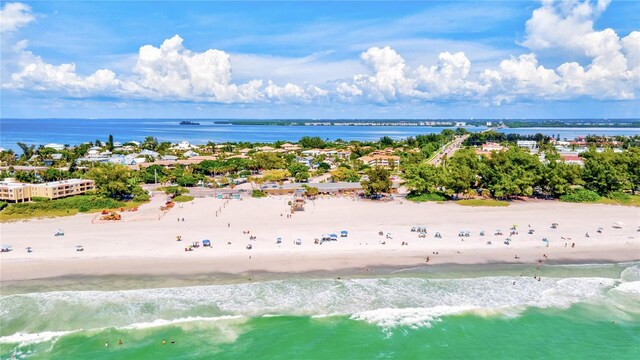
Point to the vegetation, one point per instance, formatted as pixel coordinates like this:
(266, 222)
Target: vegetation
(422, 197)
(3, 204)
(580, 195)
(516, 172)
(183, 198)
(482, 202)
(60, 207)
(175, 190)
(377, 183)
(112, 180)
(258, 193)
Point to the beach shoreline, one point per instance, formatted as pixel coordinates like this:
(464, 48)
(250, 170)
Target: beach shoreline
(144, 242)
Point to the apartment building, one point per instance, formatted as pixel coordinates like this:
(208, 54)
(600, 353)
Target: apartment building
(63, 188)
(13, 191)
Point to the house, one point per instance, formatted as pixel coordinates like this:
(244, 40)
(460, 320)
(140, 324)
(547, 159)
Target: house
(183, 145)
(265, 149)
(492, 146)
(169, 157)
(572, 159)
(150, 153)
(190, 154)
(381, 160)
(287, 147)
(55, 146)
(527, 144)
(312, 152)
(53, 159)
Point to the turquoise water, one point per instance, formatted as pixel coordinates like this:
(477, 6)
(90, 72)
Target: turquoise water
(587, 312)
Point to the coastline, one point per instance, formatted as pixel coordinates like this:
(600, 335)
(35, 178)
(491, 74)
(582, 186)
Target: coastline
(110, 250)
(299, 264)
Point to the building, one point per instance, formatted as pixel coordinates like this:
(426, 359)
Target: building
(63, 188)
(381, 160)
(13, 191)
(527, 144)
(572, 159)
(290, 147)
(491, 146)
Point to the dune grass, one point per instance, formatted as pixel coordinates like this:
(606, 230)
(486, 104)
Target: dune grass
(63, 207)
(183, 198)
(482, 202)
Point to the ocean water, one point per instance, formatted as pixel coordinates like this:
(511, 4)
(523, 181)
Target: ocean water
(76, 131)
(574, 312)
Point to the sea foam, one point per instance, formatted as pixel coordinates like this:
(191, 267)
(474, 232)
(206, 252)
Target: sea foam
(387, 302)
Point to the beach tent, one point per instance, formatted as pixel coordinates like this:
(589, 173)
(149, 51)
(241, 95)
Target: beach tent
(618, 225)
(333, 236)
(206, 242)
(279, 240)
(344, 233)
(5, 248)
(59, 232)
(325, 237)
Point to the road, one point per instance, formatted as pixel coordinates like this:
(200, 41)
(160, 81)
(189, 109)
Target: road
(448, 150)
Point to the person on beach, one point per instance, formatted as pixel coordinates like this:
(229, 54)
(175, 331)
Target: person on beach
(106, 344)
(164, 341)
(119, 341)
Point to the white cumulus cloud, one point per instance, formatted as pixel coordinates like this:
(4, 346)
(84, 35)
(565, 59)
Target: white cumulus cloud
(14, 16)
(173, 72)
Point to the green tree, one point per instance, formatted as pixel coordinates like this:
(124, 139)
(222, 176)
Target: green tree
(461, 172)
(386, 141)
(302, 176)
(110, 143)
(604, 172)
(112, 180)
(632, 159)
(558, 177)
(268, 161)
(149, 143)
(275, 175)
(510, 173)
(27, 150)
(378, 181)
(296, 168)
(345, 174)
(422, 178)
(311, 142)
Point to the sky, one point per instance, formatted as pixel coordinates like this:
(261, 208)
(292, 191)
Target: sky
(319, 60)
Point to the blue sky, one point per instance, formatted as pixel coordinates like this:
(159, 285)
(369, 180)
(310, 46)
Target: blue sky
(264, 59)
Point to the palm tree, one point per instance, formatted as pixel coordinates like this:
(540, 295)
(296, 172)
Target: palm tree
(27, 151)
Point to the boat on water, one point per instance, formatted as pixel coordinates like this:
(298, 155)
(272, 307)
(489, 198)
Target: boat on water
(186, 122)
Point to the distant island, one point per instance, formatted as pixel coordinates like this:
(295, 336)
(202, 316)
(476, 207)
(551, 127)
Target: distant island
(185, 122)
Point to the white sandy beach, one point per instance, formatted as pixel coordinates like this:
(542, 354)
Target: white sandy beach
(144, 242)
